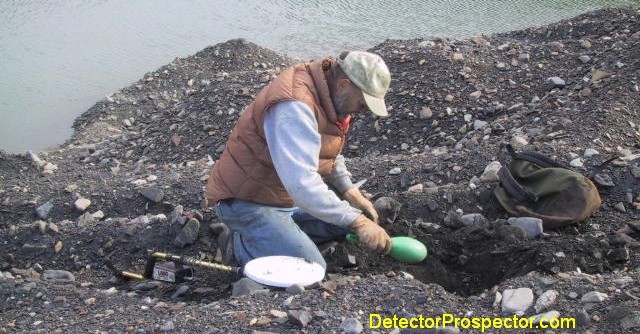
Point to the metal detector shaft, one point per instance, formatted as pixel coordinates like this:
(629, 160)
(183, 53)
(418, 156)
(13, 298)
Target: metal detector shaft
(154, 256)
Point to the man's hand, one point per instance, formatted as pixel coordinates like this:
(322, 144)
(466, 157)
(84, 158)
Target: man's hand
(371, 234)
(358, 201)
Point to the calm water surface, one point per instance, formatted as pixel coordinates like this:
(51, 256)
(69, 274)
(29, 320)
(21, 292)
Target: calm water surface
(57, 58)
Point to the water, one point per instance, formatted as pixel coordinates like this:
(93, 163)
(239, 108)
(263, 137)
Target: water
(57, 58)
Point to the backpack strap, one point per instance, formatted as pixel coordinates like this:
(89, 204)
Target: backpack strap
(513, 187)
(534, 157)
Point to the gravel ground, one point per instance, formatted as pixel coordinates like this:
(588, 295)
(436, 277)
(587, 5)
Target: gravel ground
(131, 178)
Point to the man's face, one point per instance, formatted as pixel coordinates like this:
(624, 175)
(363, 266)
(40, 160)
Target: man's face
(349, 100)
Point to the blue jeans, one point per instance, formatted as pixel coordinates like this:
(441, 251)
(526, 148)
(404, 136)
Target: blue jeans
(261, 230)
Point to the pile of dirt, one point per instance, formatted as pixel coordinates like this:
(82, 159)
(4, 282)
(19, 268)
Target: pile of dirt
(142, 155)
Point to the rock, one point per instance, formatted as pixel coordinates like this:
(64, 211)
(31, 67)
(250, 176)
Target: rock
(49, 168)
(603, 180)
(43, 210)
(351, 326)
(516, 300)
(474, 219)
(533, 226)
(58, 275)
(417, 188)
(167, 326)
(594, 297)
(545, 300)
(590, 152)
(153, 194)
(299, 317)
(147, 286)
(189, 233)
(545, 318)
(631, 321)
(183, 289)
(490, 173)
(426, 113)
(36, 160)
(57, 247)
(395, 171)
(295, 289)
(556, 82)
(620, 207)
(599, 75)
(519, 142)
(247, 286)
(479, 125)
(82, 204)
(176, 217)
(577, 163)
(583, 319)
(387, 208)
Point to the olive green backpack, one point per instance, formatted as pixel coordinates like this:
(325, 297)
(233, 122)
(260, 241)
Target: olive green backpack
(533, 185)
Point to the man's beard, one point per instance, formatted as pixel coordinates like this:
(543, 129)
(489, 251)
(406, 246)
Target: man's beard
(338, 105)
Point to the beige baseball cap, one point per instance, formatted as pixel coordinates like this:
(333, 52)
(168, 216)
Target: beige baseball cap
(369, 72)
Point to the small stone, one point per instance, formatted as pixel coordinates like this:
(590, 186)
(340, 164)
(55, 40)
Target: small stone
(583, 319)
(49, 168)
(395, 171)
(426, 113)
(167, 326)
(98, 214)
(189, 233)
(519, 142)
(183, 289)
(351, 326)
(82, 204)
(416, 189)
(556, 82)
(620, 207)
(514, 300)
(548, 316)
(545, 300)
(58, 247)
(278, 314)
(58, 275)
(247, 286)
(153, 194)
(474, 219)
(295, 289)
(590, 152)
(532, 225)
(584, 59)
(577, 163)
(599, 75)
(594, 297)
(479, 125)
(604, 180)
(631, 321)
(490, 173)
(44, 210)
(299, 317)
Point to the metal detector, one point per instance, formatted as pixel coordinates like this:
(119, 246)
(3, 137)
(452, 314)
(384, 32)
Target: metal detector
(277, 271)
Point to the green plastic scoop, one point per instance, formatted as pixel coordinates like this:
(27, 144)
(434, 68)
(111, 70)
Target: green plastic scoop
(403, 249)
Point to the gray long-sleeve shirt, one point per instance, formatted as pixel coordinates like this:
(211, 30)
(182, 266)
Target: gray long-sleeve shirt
(294, 144)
